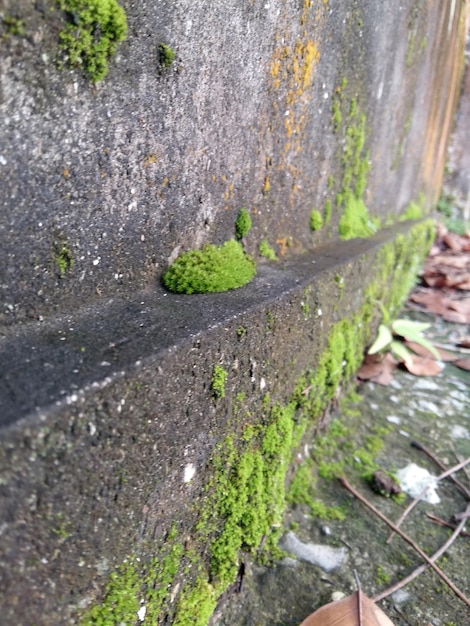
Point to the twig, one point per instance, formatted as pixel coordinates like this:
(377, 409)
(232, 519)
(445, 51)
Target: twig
(441, 522)
(459, 459)
(439, 463)
(419, 570)
(423, 493)
(452, 348)
(404, 536)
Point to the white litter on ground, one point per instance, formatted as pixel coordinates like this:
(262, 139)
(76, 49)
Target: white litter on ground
(414, 479)
(326, 557)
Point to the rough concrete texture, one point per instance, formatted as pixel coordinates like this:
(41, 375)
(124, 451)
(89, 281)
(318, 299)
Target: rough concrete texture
(106, 399)
(127, 173)
(99, 475)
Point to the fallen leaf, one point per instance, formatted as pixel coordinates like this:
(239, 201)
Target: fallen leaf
(420, 366)
(424, 352)
(464, 342)
(464, 364)
(378, 368)
(355, 610)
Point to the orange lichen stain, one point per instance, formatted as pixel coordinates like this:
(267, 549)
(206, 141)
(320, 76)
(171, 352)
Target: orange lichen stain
(228, 193)
(284, 244)
(148, 160)
(266, 185)
(66, 173)
(165, 182)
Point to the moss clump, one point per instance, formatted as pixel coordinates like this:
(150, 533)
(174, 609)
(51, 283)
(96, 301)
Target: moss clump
(63, 258)
(219, 379)
(91, 37)
(413, 212)
(14, 26)
(166, 55)
(266, 250)
(212, 269)
(316, 220)
(242, 224)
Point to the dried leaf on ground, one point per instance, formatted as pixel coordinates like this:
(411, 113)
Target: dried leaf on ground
(424, 352)
(378, 368)
(451, 306)
(421, 366)
(355, 610)
(464, 364)
(464, 342)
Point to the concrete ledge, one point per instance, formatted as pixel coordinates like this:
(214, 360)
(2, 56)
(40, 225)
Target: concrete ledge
(118, 451)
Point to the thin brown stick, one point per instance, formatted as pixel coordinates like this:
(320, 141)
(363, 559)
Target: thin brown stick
(411, 506)
(404, 536)
(439, 463)
(441, 522)
(419, 570)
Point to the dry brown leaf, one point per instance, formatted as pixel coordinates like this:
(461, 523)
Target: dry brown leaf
(464, 364)
(464, 342)
(420, 366)
(378, 368)
(424, 352)
(356, 610)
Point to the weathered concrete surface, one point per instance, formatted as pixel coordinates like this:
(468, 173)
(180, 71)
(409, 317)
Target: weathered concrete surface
(106, 402)
(97, 473)
(150, 162)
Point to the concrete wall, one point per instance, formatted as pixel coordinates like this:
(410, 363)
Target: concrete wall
(151, 161)
(113, 444)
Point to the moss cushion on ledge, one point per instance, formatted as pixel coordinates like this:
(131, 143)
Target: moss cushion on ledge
(214, 268)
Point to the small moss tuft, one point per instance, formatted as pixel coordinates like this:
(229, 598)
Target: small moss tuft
(218, 382)
(166, 55)
(92, 34)
(316, 220)
(242, 224)
(266, 250)
(212, 269)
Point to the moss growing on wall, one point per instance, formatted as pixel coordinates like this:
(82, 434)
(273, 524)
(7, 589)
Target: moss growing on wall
(218, 382)
(245, 495)
(266, 250)
(242, 224)
(166, 55)
(212, 269)
(316, 220)
(92, 34)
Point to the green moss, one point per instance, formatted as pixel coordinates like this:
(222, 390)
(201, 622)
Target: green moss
(196, 604)
(63, 258)
(302, 491)
(328, 208)
(218, 382)
(166, 55)
(214, 268)
(266, 251)
(92, 34)
(246, 495)
(14, 26)
(413, 212)
(243, 224)
(316, 220)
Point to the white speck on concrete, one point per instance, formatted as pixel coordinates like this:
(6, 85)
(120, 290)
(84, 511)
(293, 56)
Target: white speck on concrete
(326, 557)
(3, 161)
(141, 613)
(96, 261)
(189, 473)
(262, 384)
(91, 428)
(429, 407)
(337, 595)
(394, 419)
(414, 480)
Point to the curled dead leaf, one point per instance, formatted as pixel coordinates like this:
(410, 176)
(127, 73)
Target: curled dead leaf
(378, 368)
(464, 364)
(421, 366)
(424, 352)
(355, 610)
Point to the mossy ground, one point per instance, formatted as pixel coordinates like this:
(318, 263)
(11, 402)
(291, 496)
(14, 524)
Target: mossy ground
(246, 493)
